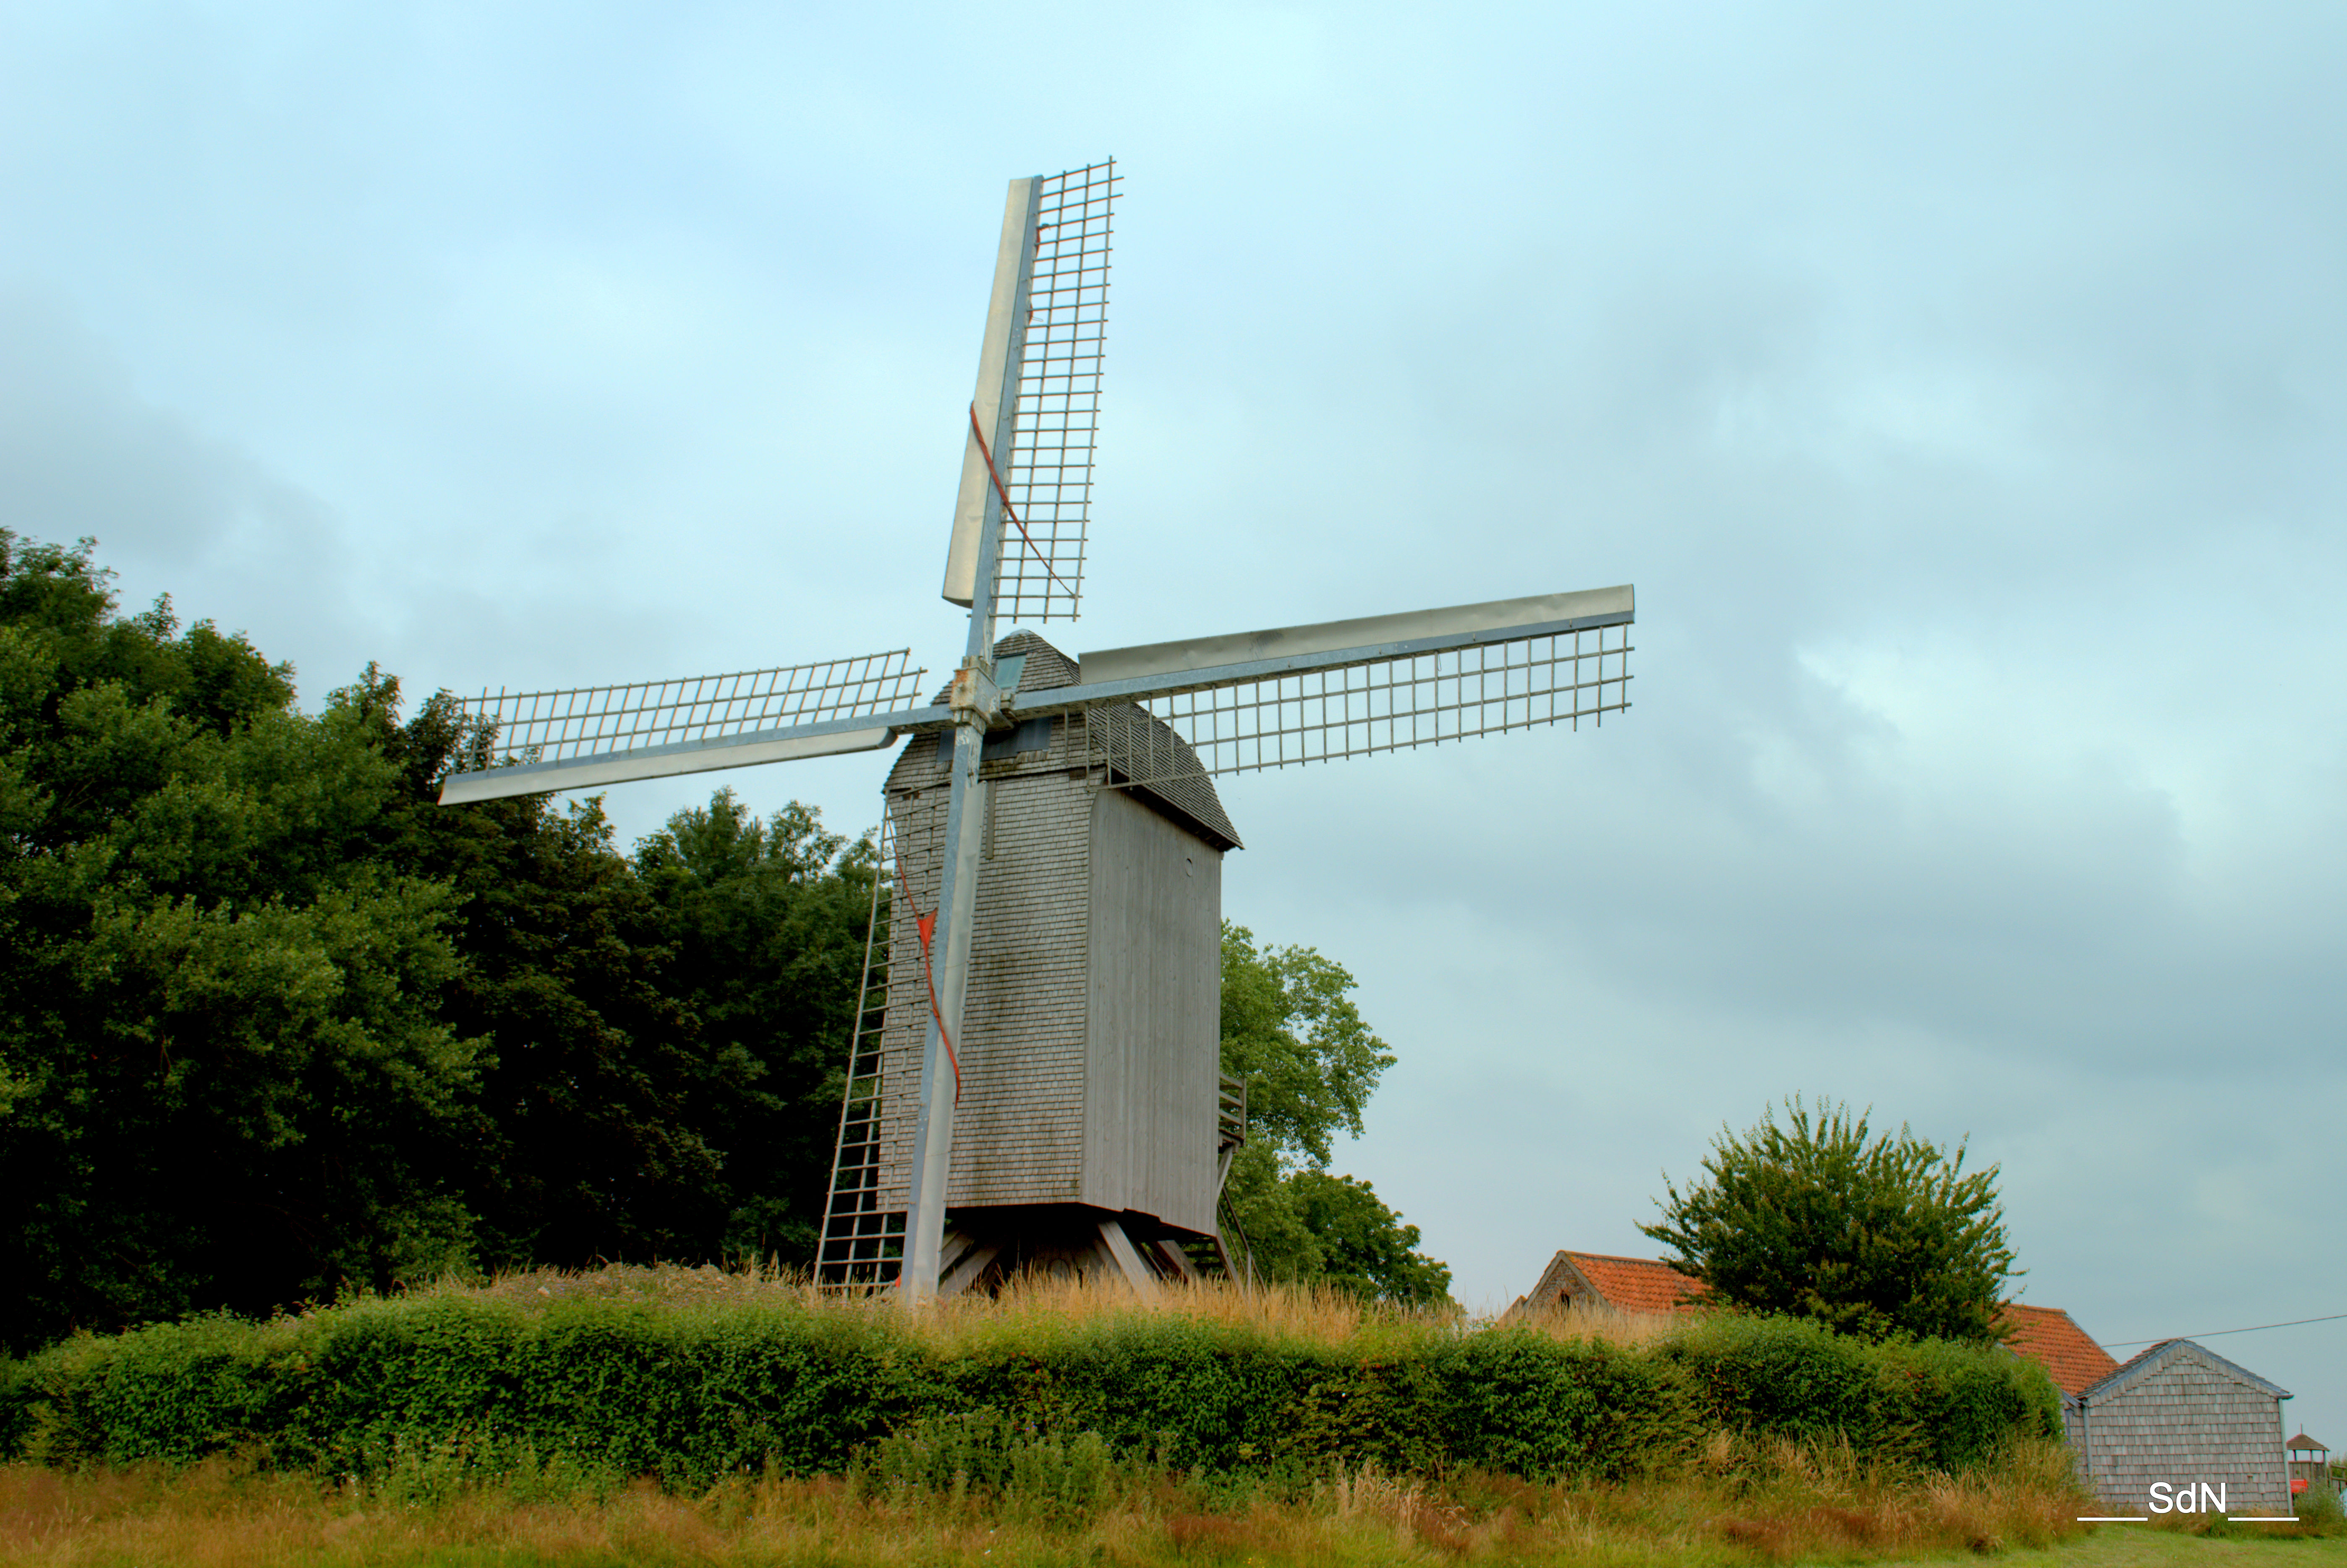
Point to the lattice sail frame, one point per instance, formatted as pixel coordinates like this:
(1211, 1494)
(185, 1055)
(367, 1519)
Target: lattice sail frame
(1355, 710)
(1040, 570)
(599, 720)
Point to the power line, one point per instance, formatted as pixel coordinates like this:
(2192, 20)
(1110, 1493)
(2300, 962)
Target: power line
(2213, 1333)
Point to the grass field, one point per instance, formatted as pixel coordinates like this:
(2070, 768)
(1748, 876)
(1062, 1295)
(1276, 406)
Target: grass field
(2135, 1546)
(1786, 1507)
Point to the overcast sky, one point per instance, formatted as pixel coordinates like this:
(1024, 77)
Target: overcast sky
(1961, 385)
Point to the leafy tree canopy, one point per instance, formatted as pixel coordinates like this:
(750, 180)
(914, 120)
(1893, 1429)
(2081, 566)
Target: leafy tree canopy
(768, 918)
(1878, 1236)
(1291, 1030)
(1364, 1245)
(229, 1081)
(273, 1024)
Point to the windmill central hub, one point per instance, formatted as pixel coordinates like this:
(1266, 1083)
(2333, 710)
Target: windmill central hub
(979, 695)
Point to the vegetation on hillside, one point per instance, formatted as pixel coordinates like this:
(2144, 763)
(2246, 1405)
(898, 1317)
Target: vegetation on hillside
(695, 1415)
(1878, 1236)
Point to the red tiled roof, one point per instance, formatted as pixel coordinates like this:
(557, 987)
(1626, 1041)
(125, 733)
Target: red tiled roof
(2044, 1334)
(1637, 1284)
(2047, 1336)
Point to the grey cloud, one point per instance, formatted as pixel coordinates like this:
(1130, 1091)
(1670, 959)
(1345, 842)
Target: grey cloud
(82, 454)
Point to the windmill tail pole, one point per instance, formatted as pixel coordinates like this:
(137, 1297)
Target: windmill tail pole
(977, 702)
(940, 1086)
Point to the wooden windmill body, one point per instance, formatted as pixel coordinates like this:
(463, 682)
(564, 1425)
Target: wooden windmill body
(1034, 1077)
(1090, 1121)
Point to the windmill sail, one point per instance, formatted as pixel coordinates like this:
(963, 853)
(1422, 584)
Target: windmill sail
(1390, 705)
(1035, 418)
(1159, 715)
(589, 735)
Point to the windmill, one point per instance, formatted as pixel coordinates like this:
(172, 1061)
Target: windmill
(1052, 829)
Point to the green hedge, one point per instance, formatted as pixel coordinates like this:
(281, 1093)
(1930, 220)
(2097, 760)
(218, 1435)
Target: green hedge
(688, 1394)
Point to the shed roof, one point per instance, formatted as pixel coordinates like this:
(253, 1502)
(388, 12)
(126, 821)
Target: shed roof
(1638, 1284)
(2307, 1443)
(2158, 1356)
(2047, 1336)
(1625, 1284)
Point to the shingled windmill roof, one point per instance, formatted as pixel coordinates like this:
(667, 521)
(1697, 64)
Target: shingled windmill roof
(1120, 732)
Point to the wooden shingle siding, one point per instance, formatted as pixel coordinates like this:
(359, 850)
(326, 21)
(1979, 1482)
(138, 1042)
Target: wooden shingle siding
(1155, 1007)
(1017, 1133)
(1091, 1032)
(1018, 1137)
(2180, 1414)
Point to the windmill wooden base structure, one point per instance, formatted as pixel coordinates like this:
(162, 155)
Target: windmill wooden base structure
(1034, 1079)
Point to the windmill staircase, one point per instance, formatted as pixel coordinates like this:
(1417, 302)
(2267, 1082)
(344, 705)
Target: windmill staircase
(862, 1245)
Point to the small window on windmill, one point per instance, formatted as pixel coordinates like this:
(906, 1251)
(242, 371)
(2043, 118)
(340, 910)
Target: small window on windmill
(1189, 866)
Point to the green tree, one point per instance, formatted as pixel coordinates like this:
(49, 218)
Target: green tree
(608, 1124)
(272, 1022)
(1364, 1245)
(227, 1080)
(767, 920)
(1880, 1237)
(1291, 1030)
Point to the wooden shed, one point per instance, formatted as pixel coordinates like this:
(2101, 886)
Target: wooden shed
(1091, 1087)
(2180, 1414)
(2310, 1466)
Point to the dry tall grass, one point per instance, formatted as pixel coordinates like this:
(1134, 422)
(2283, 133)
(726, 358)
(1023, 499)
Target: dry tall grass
(1310, 1312)
(1744, 1503)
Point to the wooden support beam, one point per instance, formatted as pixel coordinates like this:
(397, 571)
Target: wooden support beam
(1120, 1246)
(965, 1271)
